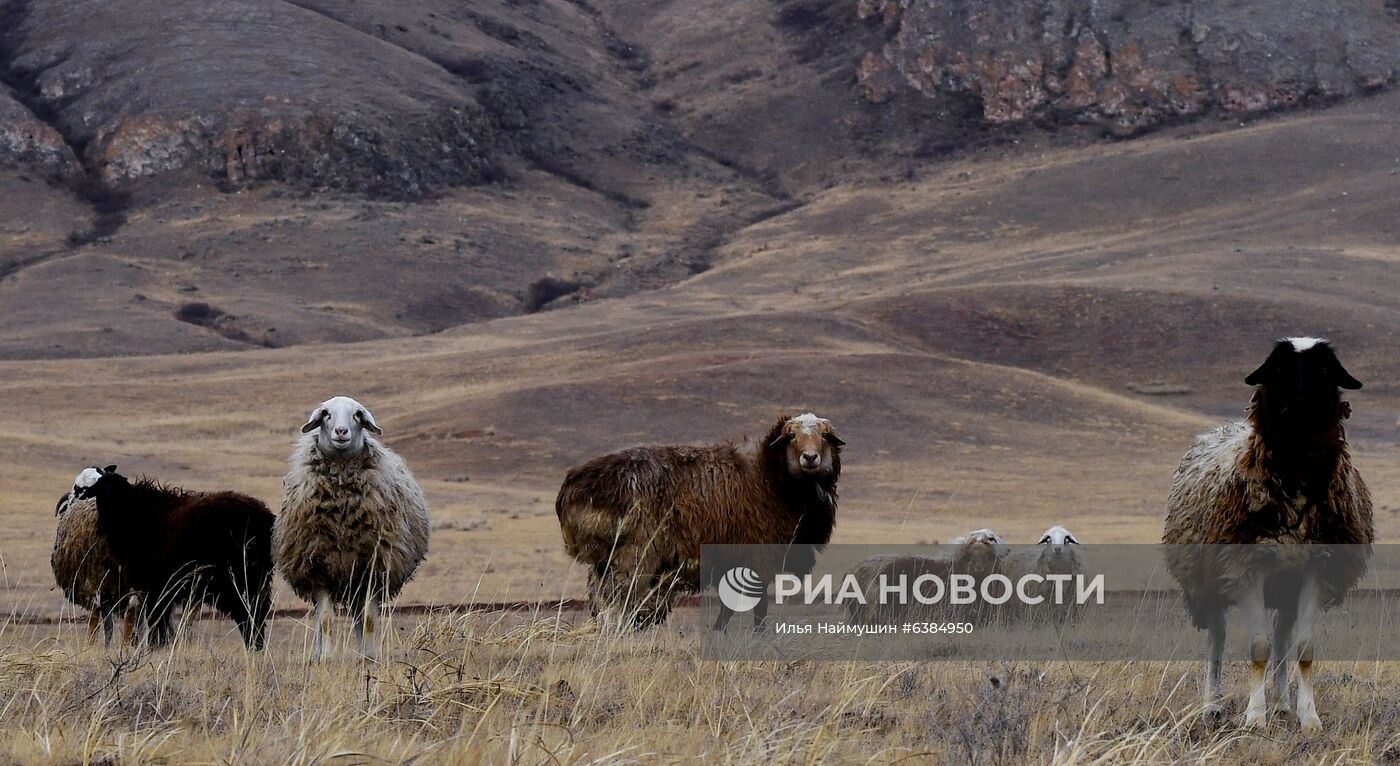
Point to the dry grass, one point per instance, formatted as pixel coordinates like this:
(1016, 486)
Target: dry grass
(548, 688)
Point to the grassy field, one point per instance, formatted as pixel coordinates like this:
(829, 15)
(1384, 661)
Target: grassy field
(541, 688)
(1009, 342)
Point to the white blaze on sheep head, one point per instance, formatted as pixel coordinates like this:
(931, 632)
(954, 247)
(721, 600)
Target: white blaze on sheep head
(82, 486)
(340, 424)
(811, 445)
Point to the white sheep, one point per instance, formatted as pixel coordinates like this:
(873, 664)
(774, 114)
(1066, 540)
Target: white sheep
(1057, 553)
(354, 523)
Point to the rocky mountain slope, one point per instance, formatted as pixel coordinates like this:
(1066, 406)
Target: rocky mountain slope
(1130, 65)
(190, 176)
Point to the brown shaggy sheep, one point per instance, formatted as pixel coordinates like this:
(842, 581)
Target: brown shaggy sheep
(1282, 476)
(637, 518)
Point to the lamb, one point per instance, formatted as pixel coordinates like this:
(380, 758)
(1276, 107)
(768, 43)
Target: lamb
(83, 565)
(177, 547)
(979, 553)
(637, 518)
(1055, 554)
(1281, 477)
(354, 524)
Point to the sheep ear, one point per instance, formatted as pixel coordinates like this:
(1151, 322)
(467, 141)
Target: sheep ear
(1260, 375)
(834, 439)
(1345, 380)
(1070, 539)
(367, 420)
(1044, 540)
(110, 469)
(314, 422)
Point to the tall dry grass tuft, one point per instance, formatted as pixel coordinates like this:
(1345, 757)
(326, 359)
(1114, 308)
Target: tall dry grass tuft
(548, 687)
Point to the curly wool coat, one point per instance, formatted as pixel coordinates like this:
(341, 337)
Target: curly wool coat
(647, 510)
(1229, 490)
(350, 526)
(83, 565)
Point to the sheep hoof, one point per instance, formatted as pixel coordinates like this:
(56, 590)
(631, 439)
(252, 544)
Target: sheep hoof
(1213, 714)
(1311, 723)
(1255, 719)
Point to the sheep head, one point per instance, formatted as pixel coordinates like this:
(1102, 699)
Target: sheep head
(82, 486)
(810, 444)
(340, 423)
(1297, 387)
(979, 553)
(106, 484)
(1057, 552)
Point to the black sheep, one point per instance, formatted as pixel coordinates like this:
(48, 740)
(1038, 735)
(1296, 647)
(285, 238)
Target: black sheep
(190, 547)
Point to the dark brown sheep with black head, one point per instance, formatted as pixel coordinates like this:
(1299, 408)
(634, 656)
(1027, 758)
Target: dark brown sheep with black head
(183, 547)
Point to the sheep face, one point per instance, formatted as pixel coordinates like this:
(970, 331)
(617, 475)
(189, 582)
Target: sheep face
(1299, 382)
(1057, 541)
(340, 424)
(810, 444)
(981, 553)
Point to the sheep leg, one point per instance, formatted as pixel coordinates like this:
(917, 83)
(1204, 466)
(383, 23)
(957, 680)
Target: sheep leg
(595, 586)
(250, 616)
(365, 629)
(760, 616)
(660, 599)
(320, 648)
(156, 613)
(262, 606)
(601, 603)
(129, 617)
(723, 619)
(1280, 658)
(1309, 610)
(1256, 623)
(159, 621)
(1215, 655)
(108, 625)
(94, 621)
(626, 586)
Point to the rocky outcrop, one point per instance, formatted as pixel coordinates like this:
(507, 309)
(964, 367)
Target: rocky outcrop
(1129, 64)
(26, 140)
(238, 89)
